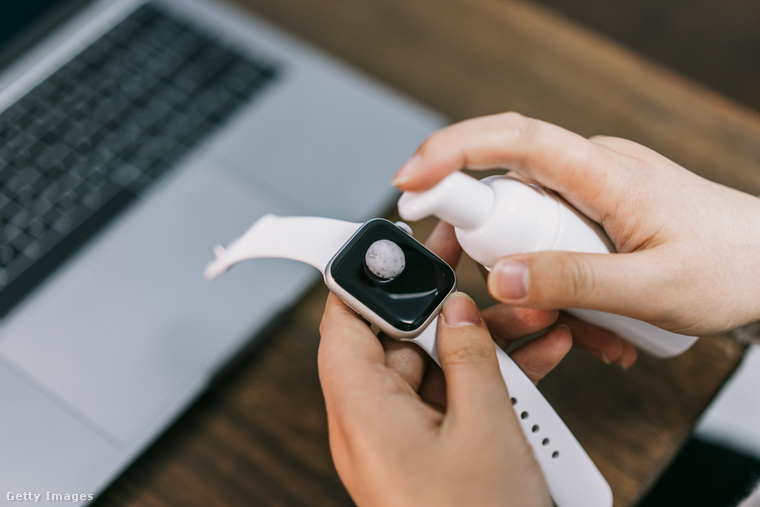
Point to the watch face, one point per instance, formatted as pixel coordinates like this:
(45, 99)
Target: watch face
(407, 298)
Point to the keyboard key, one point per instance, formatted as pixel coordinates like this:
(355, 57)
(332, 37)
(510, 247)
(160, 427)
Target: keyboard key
(40, 207)
(125, 175)
(21, 219)
(32, 251)
(67, 201)
(51, 216)
(36, 228)
(10, 232)
(6, 255)
(25, 195)
(63, 225)
(21, 241)
(78, 149)
(10, 210)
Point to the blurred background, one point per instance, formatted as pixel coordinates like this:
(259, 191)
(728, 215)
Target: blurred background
(717, 44)
(713, 42)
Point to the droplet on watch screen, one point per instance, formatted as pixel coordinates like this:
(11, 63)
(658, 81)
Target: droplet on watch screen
(385, 259)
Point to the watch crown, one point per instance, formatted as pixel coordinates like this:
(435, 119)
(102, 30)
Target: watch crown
(404, 227)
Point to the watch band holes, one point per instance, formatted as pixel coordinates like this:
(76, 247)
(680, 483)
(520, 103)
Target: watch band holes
(555, 455)
(524, 415)
(534, 429)
(545, 442)
(514, 401)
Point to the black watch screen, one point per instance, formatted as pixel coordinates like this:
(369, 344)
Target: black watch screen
(405, 300)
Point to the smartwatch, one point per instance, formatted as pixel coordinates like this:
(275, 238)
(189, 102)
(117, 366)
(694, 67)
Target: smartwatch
(379, 270)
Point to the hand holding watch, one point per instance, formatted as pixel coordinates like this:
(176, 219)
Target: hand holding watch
(384, 274)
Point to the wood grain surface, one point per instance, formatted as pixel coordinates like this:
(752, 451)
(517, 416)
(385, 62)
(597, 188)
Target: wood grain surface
(714, 42)
(259, 436)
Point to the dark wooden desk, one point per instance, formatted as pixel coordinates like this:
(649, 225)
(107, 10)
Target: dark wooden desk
(259, 438)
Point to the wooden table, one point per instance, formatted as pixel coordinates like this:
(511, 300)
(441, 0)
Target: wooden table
(259, 437)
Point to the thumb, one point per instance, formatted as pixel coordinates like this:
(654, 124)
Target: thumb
(633, 284)
(475, 390)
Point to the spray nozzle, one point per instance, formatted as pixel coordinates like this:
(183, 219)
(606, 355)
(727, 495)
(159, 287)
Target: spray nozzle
(458, 199)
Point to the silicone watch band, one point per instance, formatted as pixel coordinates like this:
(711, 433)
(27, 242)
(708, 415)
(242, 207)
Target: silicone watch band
(571, 476)
(313, 240)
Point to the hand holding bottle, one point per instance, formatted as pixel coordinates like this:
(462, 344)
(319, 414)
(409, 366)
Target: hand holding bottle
(688, 248)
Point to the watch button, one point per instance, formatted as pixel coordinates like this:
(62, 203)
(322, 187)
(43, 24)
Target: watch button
(404, 227)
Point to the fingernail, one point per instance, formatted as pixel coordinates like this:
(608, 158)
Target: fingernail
(628, 358)
(407, 171)
(459, 310)
(509, 280)
(601, 355)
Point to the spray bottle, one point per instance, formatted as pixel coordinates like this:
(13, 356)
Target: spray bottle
(505, 215)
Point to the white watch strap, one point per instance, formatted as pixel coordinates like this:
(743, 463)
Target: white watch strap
(312, 240)
(571, 476)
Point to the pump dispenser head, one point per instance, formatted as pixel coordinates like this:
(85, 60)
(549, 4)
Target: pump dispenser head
(459, 199)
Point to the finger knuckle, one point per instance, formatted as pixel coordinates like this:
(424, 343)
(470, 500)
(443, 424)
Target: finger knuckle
(542, 319)
(465, 350)
(606, 140)
(516, 125)
(515, 120)
(327, 325)
(580, 281)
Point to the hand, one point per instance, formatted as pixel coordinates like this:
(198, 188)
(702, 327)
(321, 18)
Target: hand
(392, 448)
(402, 434)
(508, 323)
(688, 248)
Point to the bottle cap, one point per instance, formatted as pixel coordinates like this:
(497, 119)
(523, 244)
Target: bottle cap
(458, 199)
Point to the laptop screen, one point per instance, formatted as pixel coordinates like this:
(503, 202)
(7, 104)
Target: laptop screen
(24, 22)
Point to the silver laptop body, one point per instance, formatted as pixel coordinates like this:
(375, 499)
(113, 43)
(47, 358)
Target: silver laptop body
(103, 354)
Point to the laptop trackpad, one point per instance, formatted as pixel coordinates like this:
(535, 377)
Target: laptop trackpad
(131, 324)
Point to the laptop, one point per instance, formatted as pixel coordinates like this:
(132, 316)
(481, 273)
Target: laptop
(134, 135)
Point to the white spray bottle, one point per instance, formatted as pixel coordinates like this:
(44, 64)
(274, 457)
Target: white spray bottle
(504, 215)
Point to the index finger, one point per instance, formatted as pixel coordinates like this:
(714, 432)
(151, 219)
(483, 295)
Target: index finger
(550, 155)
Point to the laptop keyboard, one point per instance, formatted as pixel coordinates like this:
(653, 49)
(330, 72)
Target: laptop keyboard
(87, 141)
